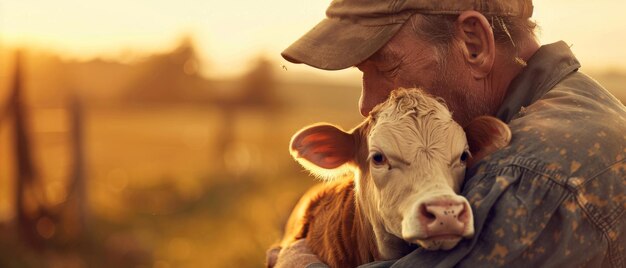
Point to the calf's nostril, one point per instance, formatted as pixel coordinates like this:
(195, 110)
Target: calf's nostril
(426, 214)
(444, 214)
(463, 215)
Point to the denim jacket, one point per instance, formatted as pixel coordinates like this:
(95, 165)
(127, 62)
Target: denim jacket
(556, 196)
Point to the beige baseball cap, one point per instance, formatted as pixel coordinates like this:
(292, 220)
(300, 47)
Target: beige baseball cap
(353, 30)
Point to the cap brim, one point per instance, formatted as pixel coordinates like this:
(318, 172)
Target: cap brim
(335, 44)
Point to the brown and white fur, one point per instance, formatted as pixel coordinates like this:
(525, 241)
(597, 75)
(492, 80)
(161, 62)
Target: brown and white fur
(407, 161)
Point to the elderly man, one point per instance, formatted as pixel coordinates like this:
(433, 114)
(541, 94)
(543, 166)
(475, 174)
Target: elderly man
(556, 196)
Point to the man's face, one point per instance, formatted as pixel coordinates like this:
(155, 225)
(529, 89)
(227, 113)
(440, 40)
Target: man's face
(410, 61)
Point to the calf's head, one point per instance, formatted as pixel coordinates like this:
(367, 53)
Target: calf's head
(409, 157)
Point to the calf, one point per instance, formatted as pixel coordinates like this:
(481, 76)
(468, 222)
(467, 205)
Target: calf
(408, 160)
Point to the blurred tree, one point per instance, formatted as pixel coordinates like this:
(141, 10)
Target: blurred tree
(259, 85)
(171, 77)
(256, 94)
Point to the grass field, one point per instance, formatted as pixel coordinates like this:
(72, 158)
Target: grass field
(160, 193)
(176, 184)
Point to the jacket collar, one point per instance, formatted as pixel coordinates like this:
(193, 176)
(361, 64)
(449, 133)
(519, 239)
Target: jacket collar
(549, 65)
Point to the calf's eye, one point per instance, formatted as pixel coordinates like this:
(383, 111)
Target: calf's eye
(464, 156)
(379, 159)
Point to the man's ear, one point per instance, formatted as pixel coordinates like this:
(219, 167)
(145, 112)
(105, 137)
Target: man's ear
(477, 42)
(485, 135)
(324, 149)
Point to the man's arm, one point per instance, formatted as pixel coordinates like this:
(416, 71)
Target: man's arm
(532, 220)
(297, 255)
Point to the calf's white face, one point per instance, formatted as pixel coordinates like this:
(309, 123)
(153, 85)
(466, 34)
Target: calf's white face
(416, 163)
(409, 158)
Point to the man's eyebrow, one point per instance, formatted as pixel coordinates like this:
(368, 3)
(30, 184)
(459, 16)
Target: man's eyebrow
(382, 55)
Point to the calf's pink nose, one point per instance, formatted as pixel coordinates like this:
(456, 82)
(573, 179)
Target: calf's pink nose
(444, 217)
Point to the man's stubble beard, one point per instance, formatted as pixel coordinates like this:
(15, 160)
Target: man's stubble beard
(462, 102)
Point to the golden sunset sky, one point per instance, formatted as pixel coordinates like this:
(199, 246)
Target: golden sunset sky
(228, 33)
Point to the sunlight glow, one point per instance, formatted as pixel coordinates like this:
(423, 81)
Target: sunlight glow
(230, 32)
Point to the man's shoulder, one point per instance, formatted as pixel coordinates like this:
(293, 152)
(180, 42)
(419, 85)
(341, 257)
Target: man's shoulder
(573, 134)
(567, 157)
(578, 129)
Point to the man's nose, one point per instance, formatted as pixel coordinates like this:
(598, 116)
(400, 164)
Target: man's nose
(364, 109)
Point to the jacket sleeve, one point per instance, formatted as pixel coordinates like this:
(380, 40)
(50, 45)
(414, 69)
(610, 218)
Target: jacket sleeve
(298, 255)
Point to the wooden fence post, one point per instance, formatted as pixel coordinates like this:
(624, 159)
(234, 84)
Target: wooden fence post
(28, 195)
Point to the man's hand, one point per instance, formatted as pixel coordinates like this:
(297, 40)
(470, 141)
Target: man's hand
(296, 255)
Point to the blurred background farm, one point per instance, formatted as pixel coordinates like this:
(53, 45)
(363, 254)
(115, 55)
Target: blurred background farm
(154, 134)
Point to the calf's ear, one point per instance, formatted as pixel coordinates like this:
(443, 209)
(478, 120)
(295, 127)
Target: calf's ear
(323, 149)
(485, 135)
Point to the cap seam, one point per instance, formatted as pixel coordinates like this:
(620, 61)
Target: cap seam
(456, 12)
(368, 25)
